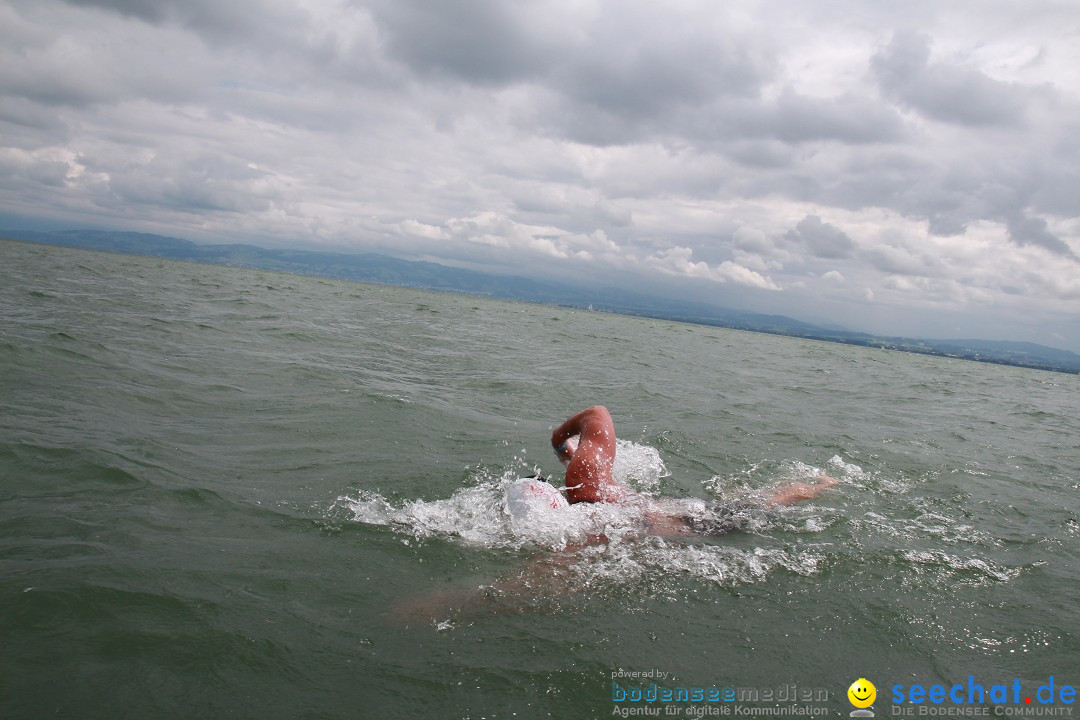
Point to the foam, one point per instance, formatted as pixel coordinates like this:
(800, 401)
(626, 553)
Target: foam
(478, 516)
(950, 569)
(638, 466)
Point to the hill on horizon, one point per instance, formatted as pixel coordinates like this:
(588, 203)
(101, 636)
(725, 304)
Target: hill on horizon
(383, 269)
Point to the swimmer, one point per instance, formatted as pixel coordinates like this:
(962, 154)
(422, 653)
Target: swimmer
(585, 443)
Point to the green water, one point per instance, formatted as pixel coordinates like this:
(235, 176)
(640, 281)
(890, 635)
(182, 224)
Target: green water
(238, 494)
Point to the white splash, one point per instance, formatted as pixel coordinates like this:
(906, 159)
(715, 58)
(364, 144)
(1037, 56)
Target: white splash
(612, 549)
(479, 515)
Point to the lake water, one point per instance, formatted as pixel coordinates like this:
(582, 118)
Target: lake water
(238, 494)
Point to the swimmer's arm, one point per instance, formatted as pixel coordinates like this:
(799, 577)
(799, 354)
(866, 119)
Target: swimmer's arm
(567, 430)
(544, 577)
(802, 491)
(561, 437)
(574, 425)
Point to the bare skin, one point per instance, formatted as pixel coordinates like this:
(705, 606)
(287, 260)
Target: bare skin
(590, 460)
(802, 490)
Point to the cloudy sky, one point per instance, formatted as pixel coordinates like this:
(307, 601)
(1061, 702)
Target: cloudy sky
(898, 167)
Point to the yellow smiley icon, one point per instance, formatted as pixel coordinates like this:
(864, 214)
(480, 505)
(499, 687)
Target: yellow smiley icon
(862, 693)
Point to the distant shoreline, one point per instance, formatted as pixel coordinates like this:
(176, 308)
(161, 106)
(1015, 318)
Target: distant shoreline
(386, 270)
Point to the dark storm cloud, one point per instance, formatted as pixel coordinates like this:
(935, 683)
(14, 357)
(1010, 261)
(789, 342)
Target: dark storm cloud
(645, 61)
(148, 10)
(821, 239)
(900, 260)
(231, 21)
(848, 119)
(648, 107)
(475, 41)
(950, 93)
(1033, 231)
(621, 74)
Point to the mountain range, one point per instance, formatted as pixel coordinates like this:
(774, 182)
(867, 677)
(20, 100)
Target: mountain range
(383, 269)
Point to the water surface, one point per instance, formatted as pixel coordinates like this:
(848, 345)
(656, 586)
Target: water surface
(233, 493)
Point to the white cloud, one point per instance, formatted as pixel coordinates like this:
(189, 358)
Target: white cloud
(679, 261)
(418, 229)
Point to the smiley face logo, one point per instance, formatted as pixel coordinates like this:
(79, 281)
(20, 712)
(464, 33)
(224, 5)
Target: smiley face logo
(862, 693)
